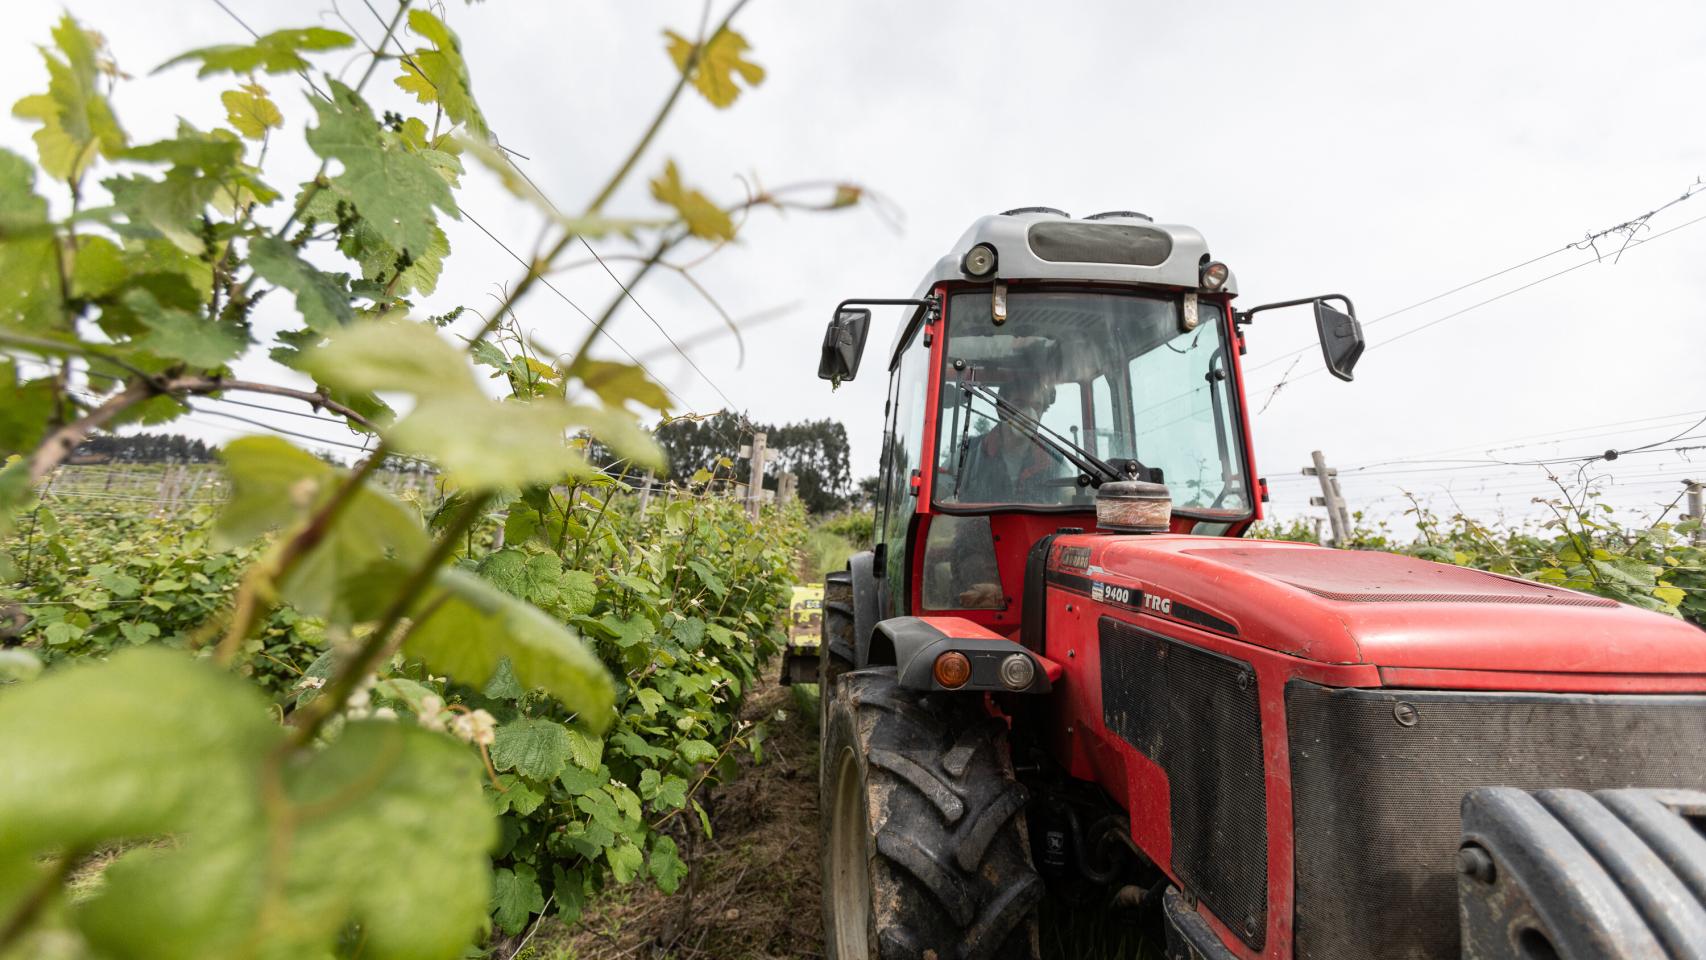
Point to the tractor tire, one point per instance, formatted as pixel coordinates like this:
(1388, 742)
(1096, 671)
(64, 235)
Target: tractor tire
(922, 827)
(837, 632)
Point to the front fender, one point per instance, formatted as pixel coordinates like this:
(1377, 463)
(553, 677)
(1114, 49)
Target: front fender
(918, 641)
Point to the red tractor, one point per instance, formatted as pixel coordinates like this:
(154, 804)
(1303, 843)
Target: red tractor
(1062, 670)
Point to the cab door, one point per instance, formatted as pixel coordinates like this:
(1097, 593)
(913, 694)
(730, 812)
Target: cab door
(903, 454)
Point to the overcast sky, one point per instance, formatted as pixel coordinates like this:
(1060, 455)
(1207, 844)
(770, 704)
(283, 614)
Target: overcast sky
(1387, 152)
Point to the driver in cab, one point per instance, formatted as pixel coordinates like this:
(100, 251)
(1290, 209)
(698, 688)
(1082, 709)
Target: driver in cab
(1006, 464)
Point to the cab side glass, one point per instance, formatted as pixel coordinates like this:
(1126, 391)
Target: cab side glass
(844, 344)
(1341, 339)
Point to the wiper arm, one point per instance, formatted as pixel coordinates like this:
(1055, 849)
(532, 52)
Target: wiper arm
(1081, 458)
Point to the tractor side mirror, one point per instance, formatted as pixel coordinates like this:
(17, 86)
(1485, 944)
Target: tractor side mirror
(1341, 338)
(844, 344)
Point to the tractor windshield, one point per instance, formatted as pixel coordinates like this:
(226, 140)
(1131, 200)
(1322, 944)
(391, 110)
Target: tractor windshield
(1112, 373)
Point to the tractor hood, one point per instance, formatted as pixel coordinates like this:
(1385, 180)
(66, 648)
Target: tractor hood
(1380, 609)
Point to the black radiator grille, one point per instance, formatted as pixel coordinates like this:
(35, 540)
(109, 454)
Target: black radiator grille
(1195, 713)
(1377, 777)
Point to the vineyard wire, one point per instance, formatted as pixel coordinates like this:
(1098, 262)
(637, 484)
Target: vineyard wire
(1625, 226)
(1475, 306)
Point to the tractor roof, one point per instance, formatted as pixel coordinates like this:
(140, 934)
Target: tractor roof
(1041, 243)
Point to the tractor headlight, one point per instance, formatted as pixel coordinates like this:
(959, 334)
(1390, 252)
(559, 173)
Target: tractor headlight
(979, 261)
(1214, 274)
(1018, 671)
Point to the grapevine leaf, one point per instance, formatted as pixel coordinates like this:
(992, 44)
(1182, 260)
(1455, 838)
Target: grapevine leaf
(250, 111)
(145, 743)
(28, 408)
(666, 864)
(29, 263)
(1670, 596)
(77, 121)
(485, 444)
(579, 591)
(517, 795)
(274, 484)
(722, 58)
(515, 897)
(617, 383)
(439, 75)
(503, 685)
(465, 627)
(320, 297)
(703, 218)
(504, 570)
(586, 749)
(394, 187)
(277, 52)
(400, 356)
(625, 860)
(696, 751)
(708, 577)
(181, 335)
(672, 793)
(534, 747)
(388, 829)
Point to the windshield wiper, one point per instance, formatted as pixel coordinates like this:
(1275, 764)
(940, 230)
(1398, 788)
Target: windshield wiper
(1098, 470)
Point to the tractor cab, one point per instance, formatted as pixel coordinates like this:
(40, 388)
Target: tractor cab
(1043, 358)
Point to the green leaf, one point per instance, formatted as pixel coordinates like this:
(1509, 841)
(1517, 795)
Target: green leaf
(250, 111)
(395, 355)
(722, 58)
(696, 751)
(393, 187)
(344, 578)
(650, 700)
(517, 795)
(515, 897)
(484, 444)
(665, 863)
(586, 749)
(625, 860)
(577, 781)
(148, 742)
(181, 335)
(703, 218)
(535, 747)
(322, 298)
(277, 52)
(29, 261)
(579, 592)
(77, 121)
(388, 828)
(439, 75)
(503, 685)
(708, 577)
(672, 793)
(28, 408)
(466, 626)
(1670, 596)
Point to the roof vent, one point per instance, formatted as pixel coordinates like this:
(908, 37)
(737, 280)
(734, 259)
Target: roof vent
(1018, 210)
(1119, 215)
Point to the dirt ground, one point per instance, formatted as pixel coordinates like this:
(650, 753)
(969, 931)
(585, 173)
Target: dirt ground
(753, 890)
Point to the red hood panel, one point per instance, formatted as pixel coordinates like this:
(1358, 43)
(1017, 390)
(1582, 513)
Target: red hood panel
(1352, 606)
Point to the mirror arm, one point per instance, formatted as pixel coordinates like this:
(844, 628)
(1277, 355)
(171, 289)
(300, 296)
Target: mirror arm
(1245, 317)
(929, 304)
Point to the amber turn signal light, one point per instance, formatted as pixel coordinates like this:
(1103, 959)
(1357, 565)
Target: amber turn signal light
(952, 669)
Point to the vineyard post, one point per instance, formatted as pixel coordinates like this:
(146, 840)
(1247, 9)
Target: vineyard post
(1330, 497)
(785, 488)
(1697, 510)
(755, 481)
(645, 493)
